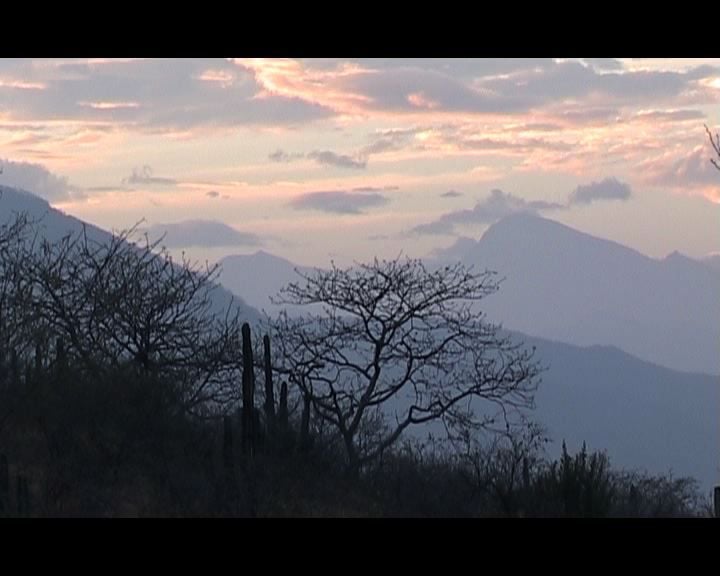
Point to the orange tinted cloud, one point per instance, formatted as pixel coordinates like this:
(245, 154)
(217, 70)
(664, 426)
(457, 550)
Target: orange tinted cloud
(683, 171)
(292, 79)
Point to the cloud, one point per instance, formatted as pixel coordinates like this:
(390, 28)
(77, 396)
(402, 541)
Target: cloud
(496, 206)
(212, 194)
(670, 115)
(281, 156)
(38, 180)
(399, 138)
(143, 176)
(426, 85)
(382, 145)
(690, 172)
(149, 94)
(520, 145)
(330, 158)
(338, 201)
(375, 188)
(202, 233)
(608, 189)
(417, 90)
(323, 157)
(460, 67)
(583, 115)
(500, 204)
(451, 194)
(104, 188)
(604, 63)
(181, 94)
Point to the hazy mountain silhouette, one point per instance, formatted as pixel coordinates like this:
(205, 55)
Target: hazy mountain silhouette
(569, 286)
(54, 225)
(258, 276)
(713, 261)
(644, 415)
(575, 287)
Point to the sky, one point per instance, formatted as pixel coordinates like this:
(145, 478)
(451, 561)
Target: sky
(314, 159)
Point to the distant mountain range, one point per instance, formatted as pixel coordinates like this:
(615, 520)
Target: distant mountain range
(713, 261)
(569, 286)
(644, 415)
(54, 225)
(258, 276)
(563, 285)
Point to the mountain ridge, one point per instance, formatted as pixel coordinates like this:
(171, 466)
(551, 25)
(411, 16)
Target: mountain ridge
(566, 285)
(55, 224)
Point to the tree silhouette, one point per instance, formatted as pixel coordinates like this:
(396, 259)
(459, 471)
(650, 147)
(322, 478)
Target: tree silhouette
(121, 305)
(398, 345)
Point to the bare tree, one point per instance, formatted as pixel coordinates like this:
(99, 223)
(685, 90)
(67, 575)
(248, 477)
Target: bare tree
(398, 345)
(116, 304)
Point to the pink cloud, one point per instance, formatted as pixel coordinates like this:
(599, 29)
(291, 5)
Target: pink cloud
(292, 79)
(691, 173)
(419, 100)
(108, 105)
(21, 84)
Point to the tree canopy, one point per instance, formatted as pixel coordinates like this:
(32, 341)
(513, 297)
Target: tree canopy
(395, 345)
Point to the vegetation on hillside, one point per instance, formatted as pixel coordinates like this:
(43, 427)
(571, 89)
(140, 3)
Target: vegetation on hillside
(124, 392)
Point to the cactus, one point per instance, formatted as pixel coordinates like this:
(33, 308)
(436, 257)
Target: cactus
(248, 393)
(269, 393)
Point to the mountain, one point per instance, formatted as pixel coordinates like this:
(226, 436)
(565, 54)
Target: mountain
(257, 277)
(713, 261)
(644, 415)
(565, 285)
(54, 225)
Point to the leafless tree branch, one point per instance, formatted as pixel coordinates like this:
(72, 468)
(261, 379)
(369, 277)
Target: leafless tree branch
(399, 344)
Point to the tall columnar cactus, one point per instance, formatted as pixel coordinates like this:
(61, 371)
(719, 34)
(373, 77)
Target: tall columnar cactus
(269, 392)
(248, 390)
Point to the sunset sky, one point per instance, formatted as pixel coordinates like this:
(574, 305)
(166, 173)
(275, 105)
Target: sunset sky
(312, 159)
